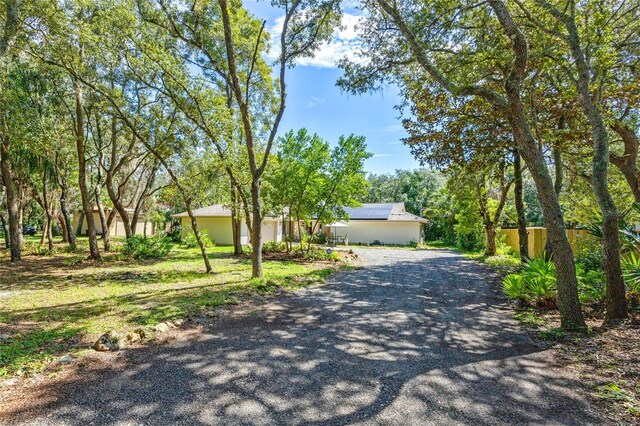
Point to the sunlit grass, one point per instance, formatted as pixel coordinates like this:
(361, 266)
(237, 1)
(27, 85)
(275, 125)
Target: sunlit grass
(54, 304)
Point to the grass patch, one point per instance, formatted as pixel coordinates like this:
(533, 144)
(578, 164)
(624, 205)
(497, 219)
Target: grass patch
(531, 318)
(63, 303)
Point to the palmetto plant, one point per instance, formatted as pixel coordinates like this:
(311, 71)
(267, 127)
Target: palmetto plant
(629, 238)
(631, 270)
(535, 284)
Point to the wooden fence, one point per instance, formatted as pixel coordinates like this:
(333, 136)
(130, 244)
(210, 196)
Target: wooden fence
(538, 239)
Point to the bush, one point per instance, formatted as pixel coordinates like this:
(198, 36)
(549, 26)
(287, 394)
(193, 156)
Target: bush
(631, 270)
(591, 286)
(315, 254)
(273, 247)
(589, 254)
(469, 241)
(190, 240)
(319, 238)
(141, 247)
(534, 285)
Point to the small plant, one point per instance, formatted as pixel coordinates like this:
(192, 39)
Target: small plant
(37, 249)
(320, 238)
(190, 240)
(591, 286)
(589, 254)
(530, 318)
(273, 247)
(631, 270)
(141, 247)
(534, 285)
(553, 334)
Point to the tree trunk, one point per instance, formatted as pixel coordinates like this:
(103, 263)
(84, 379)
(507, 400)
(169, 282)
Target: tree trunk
(68, 229)
(7, 239)
(116, 195)
(567, 284)
(523, 235)
(616, 294)
(13, 210)
(490, 232)
(256, 235)
(235, 223)
(65, 233)
(628, 162)
(106, 242)
(557, 185)
(94, 252)
(196, 232)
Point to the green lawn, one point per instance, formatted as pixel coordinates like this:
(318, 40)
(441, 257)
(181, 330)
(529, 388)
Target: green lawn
(52, 305)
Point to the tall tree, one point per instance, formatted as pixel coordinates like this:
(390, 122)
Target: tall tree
(492, 66)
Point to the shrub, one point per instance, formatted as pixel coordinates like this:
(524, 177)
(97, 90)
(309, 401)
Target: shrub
(316, 254)
(535, 284)
(141, 247)
(469, 241)
(273, 247)
(190, 240)
(591, 286)
(319, 238)
(37, 249)
(589, 254)
(631, 270)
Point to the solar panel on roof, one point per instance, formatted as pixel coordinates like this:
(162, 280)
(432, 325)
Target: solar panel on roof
(380, 211)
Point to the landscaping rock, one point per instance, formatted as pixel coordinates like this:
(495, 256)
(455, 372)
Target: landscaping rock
(67, 359)
(136, 335)
(10, 382)
(162, 327)
(108, 342)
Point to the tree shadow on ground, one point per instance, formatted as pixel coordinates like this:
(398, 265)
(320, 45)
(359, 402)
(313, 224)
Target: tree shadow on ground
(423, 337)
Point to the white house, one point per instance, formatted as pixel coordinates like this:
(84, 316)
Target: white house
(387, 223)
(216, 220)
(79, 223)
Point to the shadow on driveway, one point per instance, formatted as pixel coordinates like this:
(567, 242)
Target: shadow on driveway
(415, 337)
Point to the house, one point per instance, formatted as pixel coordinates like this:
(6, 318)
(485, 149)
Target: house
(117, 226)
(216, 220)
(386, 223)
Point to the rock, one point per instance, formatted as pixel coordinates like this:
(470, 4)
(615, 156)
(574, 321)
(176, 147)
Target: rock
(178, 322)
(108, 342)
(67, 359)
(135, 335)
(10, 382)
(162, 327)
(4, 337)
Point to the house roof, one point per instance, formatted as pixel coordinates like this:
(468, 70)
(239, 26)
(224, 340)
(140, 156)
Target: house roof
(394, 212)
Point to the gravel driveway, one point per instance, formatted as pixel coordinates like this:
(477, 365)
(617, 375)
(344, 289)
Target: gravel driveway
(414, 337)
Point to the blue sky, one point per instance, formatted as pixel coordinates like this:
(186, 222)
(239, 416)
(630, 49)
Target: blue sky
(314, 101)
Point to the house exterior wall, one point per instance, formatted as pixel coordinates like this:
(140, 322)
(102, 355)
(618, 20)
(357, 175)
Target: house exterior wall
(387, 232)
(219, 229)
(116, 229)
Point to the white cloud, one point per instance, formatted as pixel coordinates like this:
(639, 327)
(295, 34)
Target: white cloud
(344, 44)
(382, 155)
(314, 102)
(391, 129)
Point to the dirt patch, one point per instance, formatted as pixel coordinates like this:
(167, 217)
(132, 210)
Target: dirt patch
(608, 360)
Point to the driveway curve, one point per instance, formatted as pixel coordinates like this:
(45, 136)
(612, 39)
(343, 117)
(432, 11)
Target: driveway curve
(413, 337)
